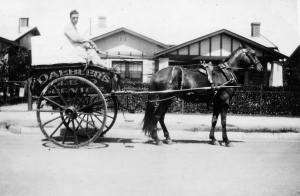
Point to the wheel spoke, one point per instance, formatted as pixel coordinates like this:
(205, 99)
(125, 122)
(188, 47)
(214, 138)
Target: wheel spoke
(65, 133)
(79, 123)
(100, 121)
(55, 103)
(88, 122)
(74, 132)
(60, 95)
(87, 126)
(100, 114)
(51, 111)
(49, 121)
(56, 129)
(93, 121)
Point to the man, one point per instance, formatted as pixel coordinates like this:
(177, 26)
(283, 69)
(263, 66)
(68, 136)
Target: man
(82, 47)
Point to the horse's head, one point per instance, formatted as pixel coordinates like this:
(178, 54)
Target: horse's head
(244, 57)
(249, 59)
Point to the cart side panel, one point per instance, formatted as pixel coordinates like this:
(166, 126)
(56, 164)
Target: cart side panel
(42, 75)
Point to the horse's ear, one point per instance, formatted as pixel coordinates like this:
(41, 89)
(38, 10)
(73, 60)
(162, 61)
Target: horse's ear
(243, 45)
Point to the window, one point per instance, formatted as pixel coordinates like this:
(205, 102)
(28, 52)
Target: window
(132, 70)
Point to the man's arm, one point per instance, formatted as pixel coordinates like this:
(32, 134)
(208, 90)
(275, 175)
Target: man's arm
(73, 35)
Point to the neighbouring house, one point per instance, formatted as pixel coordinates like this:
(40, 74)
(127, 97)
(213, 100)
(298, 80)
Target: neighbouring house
(20, 34)
(4, 43)
(291, 70)
(131, 52)
(216, 46)
(15, 41)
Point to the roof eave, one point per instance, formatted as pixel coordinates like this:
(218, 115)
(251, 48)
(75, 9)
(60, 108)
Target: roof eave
(8, 41)
(34, 30)
(216, 33)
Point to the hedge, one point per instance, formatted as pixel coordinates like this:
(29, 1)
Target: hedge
(250, 100)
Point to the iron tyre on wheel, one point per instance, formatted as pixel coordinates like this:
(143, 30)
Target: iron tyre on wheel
(112, 112)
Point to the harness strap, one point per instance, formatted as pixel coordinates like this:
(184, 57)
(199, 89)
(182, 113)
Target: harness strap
(224, 67)
(173, 75)
(209, 72)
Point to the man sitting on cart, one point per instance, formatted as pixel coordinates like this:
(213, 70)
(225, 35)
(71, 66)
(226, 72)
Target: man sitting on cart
(82, 47)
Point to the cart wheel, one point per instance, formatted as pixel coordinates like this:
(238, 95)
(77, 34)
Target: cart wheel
(71, 111)
(111, 115)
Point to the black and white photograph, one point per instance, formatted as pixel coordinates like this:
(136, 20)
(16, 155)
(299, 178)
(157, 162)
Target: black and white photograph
(149, 97)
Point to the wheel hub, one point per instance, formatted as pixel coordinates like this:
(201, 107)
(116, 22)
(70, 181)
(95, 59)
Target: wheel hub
(71, 112)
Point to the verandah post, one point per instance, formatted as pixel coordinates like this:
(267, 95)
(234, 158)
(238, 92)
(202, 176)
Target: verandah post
(29, 95)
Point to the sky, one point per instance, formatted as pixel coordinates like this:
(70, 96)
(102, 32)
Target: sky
(168, 21)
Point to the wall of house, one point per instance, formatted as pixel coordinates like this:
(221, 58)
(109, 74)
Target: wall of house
(26, 41)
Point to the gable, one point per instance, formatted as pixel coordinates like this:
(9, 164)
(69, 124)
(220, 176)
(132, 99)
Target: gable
(218, 45)
(124, 40)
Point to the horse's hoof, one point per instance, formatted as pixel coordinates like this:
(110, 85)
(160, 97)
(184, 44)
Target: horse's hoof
(158, 142)
(213, 142)
(228, 144)
(169, 141)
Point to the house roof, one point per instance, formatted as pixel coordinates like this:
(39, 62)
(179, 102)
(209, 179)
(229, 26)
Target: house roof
(112, 32)
(14, 35)
(2, 39)
(33, 30)
(294, 58)
(257, 42)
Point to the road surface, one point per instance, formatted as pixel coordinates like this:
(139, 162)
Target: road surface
(127, 163)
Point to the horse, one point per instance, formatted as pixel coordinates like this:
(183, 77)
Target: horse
(178, 78)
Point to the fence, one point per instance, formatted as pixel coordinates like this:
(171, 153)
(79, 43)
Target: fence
(250, 100)
(12, 92)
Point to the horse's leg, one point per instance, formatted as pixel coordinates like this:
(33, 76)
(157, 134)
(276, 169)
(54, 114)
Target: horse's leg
(159, 116)
(155, 136)
(223, 122)
(213, 125)
(163, 110)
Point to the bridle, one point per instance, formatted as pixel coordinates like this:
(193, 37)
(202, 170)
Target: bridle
(254, 61)
(247, 53)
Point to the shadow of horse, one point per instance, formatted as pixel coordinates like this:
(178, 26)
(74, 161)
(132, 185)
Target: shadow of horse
(103, 142)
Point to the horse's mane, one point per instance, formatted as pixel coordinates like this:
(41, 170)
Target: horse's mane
(232, 54)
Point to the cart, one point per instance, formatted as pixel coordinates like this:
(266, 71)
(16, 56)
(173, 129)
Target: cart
(74, 102)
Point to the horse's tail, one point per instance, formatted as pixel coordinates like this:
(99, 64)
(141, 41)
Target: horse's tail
(149, 119)
(149, 123)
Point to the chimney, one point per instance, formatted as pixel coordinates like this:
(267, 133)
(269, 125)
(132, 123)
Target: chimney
(255, 29)
(101, 22)
(23, 24)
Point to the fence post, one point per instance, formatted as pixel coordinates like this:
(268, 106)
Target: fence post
(182, 106)
(29, 94)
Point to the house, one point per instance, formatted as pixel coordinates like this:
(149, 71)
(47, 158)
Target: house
(20, 34)
(15, 42)
(216, 46)
(132, 53)
(291, 69)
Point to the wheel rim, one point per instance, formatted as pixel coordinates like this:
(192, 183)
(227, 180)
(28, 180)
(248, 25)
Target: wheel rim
(111, 115)
(71, 111)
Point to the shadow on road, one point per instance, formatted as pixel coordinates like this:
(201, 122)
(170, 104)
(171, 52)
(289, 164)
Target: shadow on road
(200, 141)
(128, 142)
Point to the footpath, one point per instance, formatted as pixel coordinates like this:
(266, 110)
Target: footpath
(17, 119)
